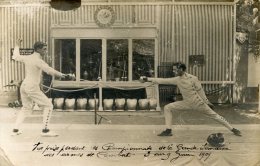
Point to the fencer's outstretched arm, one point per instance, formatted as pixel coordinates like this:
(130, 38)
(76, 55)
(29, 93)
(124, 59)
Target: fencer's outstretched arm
(49, 70)
(167, 81)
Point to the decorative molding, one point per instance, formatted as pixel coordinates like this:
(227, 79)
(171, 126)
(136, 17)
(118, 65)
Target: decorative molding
(120, 16)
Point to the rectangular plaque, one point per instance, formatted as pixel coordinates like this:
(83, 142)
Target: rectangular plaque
(23, 51)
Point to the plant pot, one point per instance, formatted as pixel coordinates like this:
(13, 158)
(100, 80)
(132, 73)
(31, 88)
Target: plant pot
(91, 104)
(120, 104)
(82, 104)
(131, 104)
(58, 104)
(70, 104)
(108, 104)
(143, 104)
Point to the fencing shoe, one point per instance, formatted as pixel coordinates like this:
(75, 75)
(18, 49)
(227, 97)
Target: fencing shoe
(167, 132)
(16, 133)
(236, 132)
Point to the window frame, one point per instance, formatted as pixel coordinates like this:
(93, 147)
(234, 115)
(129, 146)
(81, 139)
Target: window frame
(134, 34)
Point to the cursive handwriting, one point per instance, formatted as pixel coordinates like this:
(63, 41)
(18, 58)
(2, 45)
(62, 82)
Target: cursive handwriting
(169, 152)
(112, 146)
(183, 151)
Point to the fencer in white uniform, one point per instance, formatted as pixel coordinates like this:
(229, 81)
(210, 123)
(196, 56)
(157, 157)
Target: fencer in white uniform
(194, 98)
(30, 88)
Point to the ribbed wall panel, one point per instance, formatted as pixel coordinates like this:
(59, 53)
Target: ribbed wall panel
(31, 23)
(145, 14)
(84, 16)
(198, 30)
(166, 34)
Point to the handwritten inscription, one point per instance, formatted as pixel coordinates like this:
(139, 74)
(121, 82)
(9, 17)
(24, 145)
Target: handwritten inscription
(170, 152)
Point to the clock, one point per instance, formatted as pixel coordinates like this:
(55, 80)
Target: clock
(104, 16)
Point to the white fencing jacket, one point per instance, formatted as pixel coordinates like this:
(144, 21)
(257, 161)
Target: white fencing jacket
(34, 65)
(189, 86)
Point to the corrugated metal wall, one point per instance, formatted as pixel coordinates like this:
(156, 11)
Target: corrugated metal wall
(31, 23)
(126, 16)
(198, 30)
(183, 29)
(201, 29)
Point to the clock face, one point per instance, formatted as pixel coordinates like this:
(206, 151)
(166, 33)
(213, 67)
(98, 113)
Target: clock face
(104, 16)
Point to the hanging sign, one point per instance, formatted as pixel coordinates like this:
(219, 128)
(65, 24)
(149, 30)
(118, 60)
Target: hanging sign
(23, 51)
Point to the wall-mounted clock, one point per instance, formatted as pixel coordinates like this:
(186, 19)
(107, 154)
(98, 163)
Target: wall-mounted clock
(104, 16)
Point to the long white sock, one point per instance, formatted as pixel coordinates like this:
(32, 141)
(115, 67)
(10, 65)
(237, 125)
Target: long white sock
(46, 118)
(20, 118)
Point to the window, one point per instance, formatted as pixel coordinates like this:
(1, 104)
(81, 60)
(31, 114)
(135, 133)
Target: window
(117, 60)
(125, 59)
(143, 58)
(65, 55)
(90, 59)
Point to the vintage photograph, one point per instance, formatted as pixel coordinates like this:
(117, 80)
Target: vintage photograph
(129, 82)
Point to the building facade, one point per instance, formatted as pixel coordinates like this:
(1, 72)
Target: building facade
(108, 44)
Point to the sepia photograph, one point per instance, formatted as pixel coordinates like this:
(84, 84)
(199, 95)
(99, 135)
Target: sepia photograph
(129, 83)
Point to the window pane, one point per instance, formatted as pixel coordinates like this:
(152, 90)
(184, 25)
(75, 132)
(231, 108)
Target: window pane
(117, 60)
(65, 56)
(90, 59)
(143, 58)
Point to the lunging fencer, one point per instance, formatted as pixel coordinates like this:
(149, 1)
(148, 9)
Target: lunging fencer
(194, 98)
(30, 88)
